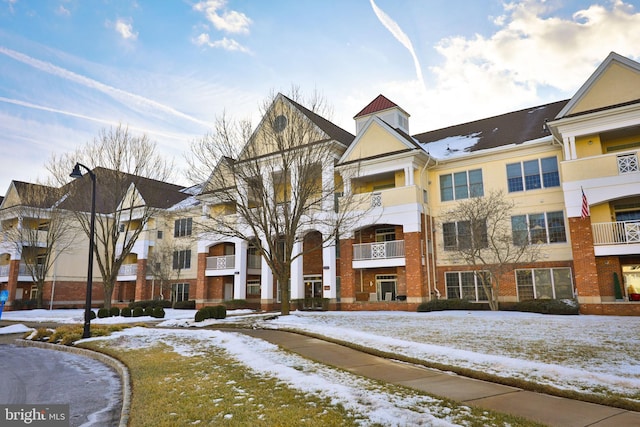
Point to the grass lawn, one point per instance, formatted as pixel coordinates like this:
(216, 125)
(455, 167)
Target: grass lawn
(210, 387)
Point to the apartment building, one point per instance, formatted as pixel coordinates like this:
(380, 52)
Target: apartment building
(570, 168)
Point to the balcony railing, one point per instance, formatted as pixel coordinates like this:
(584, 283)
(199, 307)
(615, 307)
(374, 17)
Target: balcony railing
(616, 233)
(627, 163)
(22, 270)
(221, 262)
(378, 250)
(128, 270)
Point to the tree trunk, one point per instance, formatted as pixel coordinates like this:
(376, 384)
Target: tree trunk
(108, 293)
(39, 296)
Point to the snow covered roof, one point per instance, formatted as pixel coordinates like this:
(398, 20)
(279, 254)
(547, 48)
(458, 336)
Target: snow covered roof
(515, 127)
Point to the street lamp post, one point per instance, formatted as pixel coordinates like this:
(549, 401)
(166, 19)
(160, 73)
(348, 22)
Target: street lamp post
(86, 333)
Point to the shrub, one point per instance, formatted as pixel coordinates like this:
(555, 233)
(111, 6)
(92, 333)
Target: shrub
(235, 304)
(150, 303)
(201, 315)
(546, 306)
(209, 311)
(158, 313)
(138, 312)
(148, 310)
(450, 304)
(126, 312)
(103, 312)
(115, 312)
(219, 312)
(92, 315)
(185, 305)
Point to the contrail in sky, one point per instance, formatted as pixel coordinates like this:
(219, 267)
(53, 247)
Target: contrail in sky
(93, 84)
(399, 35)
(85, 117)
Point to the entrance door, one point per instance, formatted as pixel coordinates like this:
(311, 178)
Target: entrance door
(386, 287)
(228, 291)
(313, 292)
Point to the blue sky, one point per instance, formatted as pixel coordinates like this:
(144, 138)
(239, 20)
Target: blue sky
(70, 68)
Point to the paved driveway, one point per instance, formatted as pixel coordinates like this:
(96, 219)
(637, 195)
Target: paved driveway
(32, 375)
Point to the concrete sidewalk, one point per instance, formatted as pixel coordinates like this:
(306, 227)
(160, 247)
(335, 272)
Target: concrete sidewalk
(549, 410)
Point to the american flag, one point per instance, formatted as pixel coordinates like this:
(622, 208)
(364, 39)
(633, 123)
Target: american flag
(585, 205)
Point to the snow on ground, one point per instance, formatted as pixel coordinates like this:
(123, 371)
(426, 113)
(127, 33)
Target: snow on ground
(596, 354)
(355, 393)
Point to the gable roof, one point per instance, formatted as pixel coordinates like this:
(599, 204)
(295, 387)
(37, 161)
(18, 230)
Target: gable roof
(156, 194)
(611, 60)
(35, 195)
(406, 141)
(335, 132)
(380, 103)
(515, 127)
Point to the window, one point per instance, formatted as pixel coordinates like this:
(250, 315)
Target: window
(538, 228)
(183, 227)
(466, 285)
(253, 287)
(179, 292)
(544, 283)
(461, 185)
(182, 259)
(533, 174)
(463, 234)
(385, 235)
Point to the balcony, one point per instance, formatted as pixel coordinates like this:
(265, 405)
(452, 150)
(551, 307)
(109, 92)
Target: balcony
(23, 271)
(616, 238)
(221, 262)
(619, 164)
(127, 271)
(389, 197)
(379, 254)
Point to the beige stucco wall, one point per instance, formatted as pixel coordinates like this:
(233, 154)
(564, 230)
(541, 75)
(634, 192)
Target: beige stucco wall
(618, 84)
(373, 142)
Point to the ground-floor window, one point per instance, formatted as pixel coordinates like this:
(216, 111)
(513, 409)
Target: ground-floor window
(253, 287)
(179, 292)
(544, 283)
(386, 285)
(465, 285)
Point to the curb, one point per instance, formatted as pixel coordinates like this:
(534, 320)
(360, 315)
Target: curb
(118, 366)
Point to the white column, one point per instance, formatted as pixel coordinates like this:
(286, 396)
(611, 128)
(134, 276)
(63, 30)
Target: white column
(572, 145)
(328, 184)
(240, 270)
(408, 176)
(297, 279)
(266, 282)
(329, 289)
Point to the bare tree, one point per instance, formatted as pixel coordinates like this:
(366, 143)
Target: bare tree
(163, 264)
(43, 232)
(124, 164)
(479, 232)
(272, 185)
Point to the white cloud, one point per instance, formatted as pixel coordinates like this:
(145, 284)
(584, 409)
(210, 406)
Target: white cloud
(63, 11)
(124, 27)
(226, 44)
(533, 57)
(229, 21)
